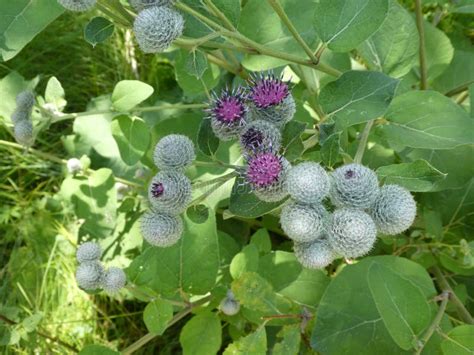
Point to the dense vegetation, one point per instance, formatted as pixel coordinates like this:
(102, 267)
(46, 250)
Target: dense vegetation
(272, 176)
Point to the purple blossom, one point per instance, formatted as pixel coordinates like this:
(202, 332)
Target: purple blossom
(157, 189)
(268, 90)
(264, 169)
(229, 108)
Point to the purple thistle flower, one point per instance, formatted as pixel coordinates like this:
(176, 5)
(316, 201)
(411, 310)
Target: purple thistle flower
(228, 113)
(260, 136)
(271, 99)
(268, 91)
(264, 169)
(266, 174)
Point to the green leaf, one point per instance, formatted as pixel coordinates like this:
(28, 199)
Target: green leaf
(129, 93)
(54, 94)
(330, 149)
(157, 315)
(98, 30)
(231, 9)
(207, 141)
(190, 265)
(459, 341)
(261, 239)
(255, 293)
(292, 144)
(393, 49)
(260, 23)
(464, 7)
(357, 96)
(427, 119)
(447, 161)
(290, 344)
(244, 203)
(344, 24)
(401, 304)
(31, 323)
(97, 350)
(191, 84)
(196, 64)
(21, 21)
(460, 71)
(94, 199)
(10, 86)
(202, 335)
(417, 176)
(246, 260)
(308, 288)
(348, 319)
(439, 51)
(254, 343)
(280, 268)
(132, 136)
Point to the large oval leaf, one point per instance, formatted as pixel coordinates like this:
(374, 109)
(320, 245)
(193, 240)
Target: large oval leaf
(344, 24)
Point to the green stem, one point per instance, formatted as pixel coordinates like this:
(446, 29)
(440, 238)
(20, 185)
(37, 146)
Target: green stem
(117, 6)
(444, 285)
(275, 4)
(435, 323)
(261, 49)
(106, 11)
(460, 88)
(55, 159)
(223, 64)
(201, 184)
(150, 336)
(216, 164)
(214, 9)
(136, 109)
(363, 142)
(421, 32)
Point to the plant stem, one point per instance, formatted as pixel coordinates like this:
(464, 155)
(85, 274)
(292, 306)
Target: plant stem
(150, 336)
(216, 164)
(222, 63)
(275, 4)
(460, 99)
(421, 32)
(136, 109)
(363, 142)
(220, 15)
(117, 5)
(435, 323)
(459, 89)
(444, 285)
(118, 19)
(55, 159)
(261, 49)
(201, 184)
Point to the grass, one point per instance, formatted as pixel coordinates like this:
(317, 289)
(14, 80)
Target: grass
(38, 237)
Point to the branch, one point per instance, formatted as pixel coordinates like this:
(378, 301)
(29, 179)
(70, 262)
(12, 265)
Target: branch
(220, 15)
(444, 297)
(421, 32)
(363, 142)
(444, 285)
(275, 4)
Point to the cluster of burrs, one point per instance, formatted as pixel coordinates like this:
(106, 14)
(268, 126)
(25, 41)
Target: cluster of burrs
(156, 26)
(256, 115)
(169, 192)
(21, 118)
(360, 209)
(91, 274)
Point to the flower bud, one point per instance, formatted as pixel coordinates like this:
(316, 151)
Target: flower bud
(170, 192)
(351, 232)
(308, 182)
(89, 275)
(156, 27)
(394, 210)
(88, 251)
(354, 185)
(303, 223)
(161, 230)
(114, 280)
(314, 255)
(174, 151)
